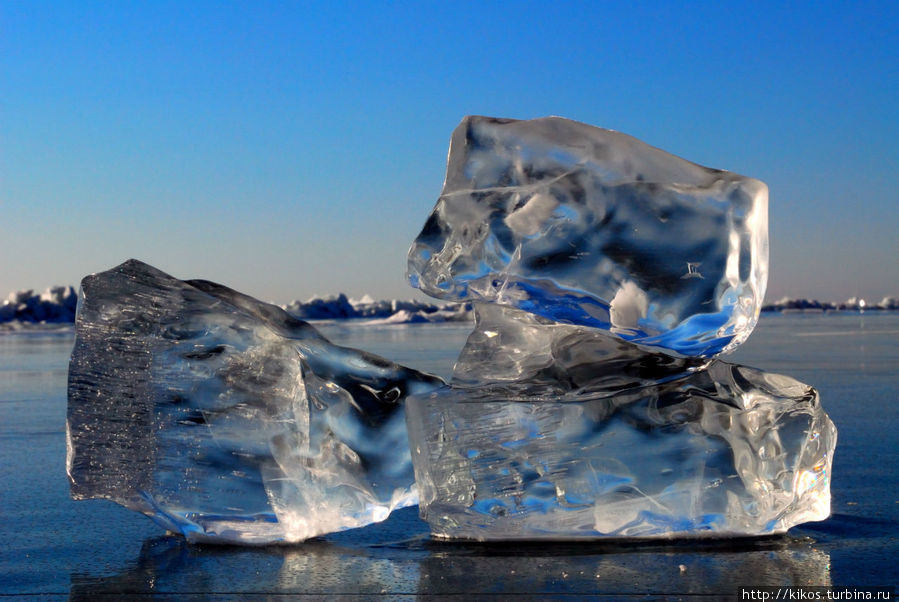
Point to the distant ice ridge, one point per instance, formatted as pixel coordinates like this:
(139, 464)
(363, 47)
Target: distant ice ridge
(392, 311)
(852, 304)
(55, 305)
(225, 419)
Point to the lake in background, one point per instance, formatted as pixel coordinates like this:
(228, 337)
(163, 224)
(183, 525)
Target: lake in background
(54, 546)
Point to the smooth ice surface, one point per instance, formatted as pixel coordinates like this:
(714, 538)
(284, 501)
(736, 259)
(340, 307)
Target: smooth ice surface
(593, 227)
(722, 451)
(227, 420)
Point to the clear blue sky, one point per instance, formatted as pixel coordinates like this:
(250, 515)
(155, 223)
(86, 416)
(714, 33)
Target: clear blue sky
(286, 149)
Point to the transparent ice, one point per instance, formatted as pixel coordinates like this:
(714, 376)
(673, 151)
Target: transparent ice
(605, 274)
(593, 227)
(572, 433)
(225, 419)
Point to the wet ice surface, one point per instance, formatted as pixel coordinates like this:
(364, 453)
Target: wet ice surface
(593, 227)
(226, 420)
(64, 549)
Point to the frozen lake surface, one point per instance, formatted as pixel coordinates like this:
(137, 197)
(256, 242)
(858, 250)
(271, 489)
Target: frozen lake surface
(55, 547)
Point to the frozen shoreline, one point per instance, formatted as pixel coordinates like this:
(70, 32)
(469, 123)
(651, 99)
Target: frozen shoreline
(57, 306)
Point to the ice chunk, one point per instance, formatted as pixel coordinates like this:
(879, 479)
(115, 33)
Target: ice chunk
(592, 227)
(604, 273)
(227, 420)
(559, 431)
(721, 451)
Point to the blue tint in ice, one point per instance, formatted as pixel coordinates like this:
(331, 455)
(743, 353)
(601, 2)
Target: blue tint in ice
(593, 227)
(604, 274)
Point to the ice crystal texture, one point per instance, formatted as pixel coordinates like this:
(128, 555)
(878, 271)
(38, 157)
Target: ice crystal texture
(574, 434)
(225, 419)
(592, 227)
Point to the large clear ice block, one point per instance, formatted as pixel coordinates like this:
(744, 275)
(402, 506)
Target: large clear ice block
(723, 451)
(555, 431)
(225, 419)
(593, 227)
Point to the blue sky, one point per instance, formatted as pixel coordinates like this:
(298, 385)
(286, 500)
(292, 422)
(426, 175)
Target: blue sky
(287, 149)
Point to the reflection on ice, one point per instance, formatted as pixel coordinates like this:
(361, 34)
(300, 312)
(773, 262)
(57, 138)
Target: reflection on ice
(167, 565)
